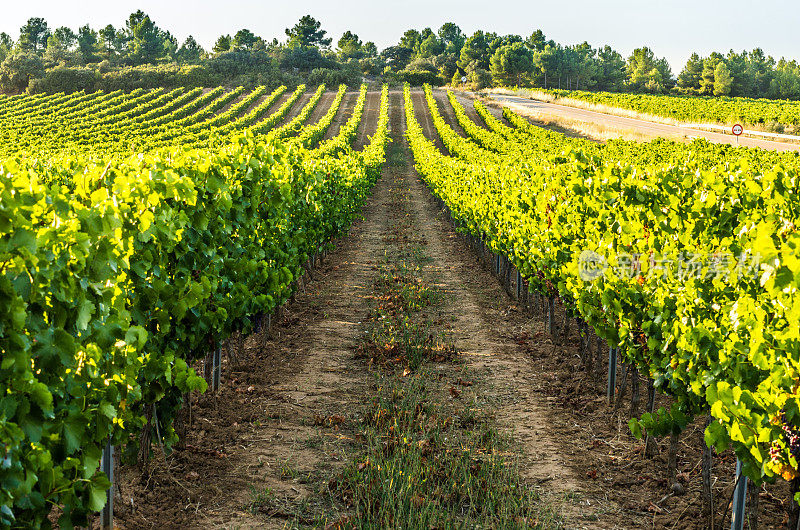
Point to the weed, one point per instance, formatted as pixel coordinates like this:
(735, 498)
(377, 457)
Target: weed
(288, 471)
(260, 498)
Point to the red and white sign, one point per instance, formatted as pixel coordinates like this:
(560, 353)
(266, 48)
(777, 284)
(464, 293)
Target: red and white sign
(737, 130)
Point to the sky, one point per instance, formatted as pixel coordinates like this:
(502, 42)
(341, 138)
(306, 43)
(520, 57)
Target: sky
(672, 28)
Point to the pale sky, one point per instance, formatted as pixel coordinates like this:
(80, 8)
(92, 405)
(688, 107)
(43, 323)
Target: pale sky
(672, 28)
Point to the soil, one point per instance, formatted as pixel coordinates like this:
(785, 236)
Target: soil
(322, 107)
(279, 424)
(296, 108)
(231, 103)
(344, 113)
(369, 120)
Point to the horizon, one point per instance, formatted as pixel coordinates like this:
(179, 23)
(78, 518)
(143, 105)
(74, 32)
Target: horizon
(622, 24)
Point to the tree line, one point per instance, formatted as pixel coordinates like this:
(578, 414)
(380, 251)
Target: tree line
(141, 54)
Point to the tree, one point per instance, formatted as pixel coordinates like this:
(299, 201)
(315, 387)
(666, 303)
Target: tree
(692, 73)
(587, 69)
(18, 69)
(545, 62)
(640, 70)
(707, 77)
(111, 42)
(430, 46)
(369, 49)
(475, 50)
(190, 52)
(307, 33)
(536, 41)
(666, 73)
(169, 45)
(396, 57)
(760, 71)
(146, 43)
(737, 64)
(223, 44)
(33, 35)
(6, 41)
(452, 37)
(611, 74)
(244, 40)
(62, 38)
(87, 43)
(6, 44)
(305, 58)
(655, 81)
(349, 46)
(447, 63)
(410, 39)
(786, 80)
(511, 63)
(722, 79)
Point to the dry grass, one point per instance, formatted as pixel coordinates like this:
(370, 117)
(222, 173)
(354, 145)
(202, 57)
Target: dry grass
(580, 104)
(625, 113)
(583, 129)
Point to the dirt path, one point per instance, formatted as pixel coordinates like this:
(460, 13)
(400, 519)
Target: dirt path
(488, 326)
(424, 118)
(345, 111)
(275, 420)
(467, 103)
(322, 107)
(369, 120)
(446, 111)
(228, 105)
(649, 128)
(296, 108)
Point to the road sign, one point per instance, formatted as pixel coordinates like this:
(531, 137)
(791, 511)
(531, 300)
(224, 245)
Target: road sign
(737, 130)
(464, 79)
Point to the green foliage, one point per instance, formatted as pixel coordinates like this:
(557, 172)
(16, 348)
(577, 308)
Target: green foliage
(145, 262)
(692, 73)
(349, 75)
(475, 53)
(146, 44)
(721, 341)
(305, 59)
(307, 33)
(512, 64)
(17, 70)
(88, 43)
(190, 51)
(695, 109)
(452, 37)
(62, 38)
(722, 80)
(64, 79)
(647, 72)
(349, 46)
(223, 44)
(33, 35)
(245, 40)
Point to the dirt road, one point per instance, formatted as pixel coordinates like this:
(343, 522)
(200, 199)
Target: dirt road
(546, 109)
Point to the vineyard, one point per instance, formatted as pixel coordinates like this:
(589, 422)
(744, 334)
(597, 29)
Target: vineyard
(182, 268)
(761, 113)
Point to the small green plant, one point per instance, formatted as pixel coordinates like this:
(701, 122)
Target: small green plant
(288, 471)
(260, 499)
